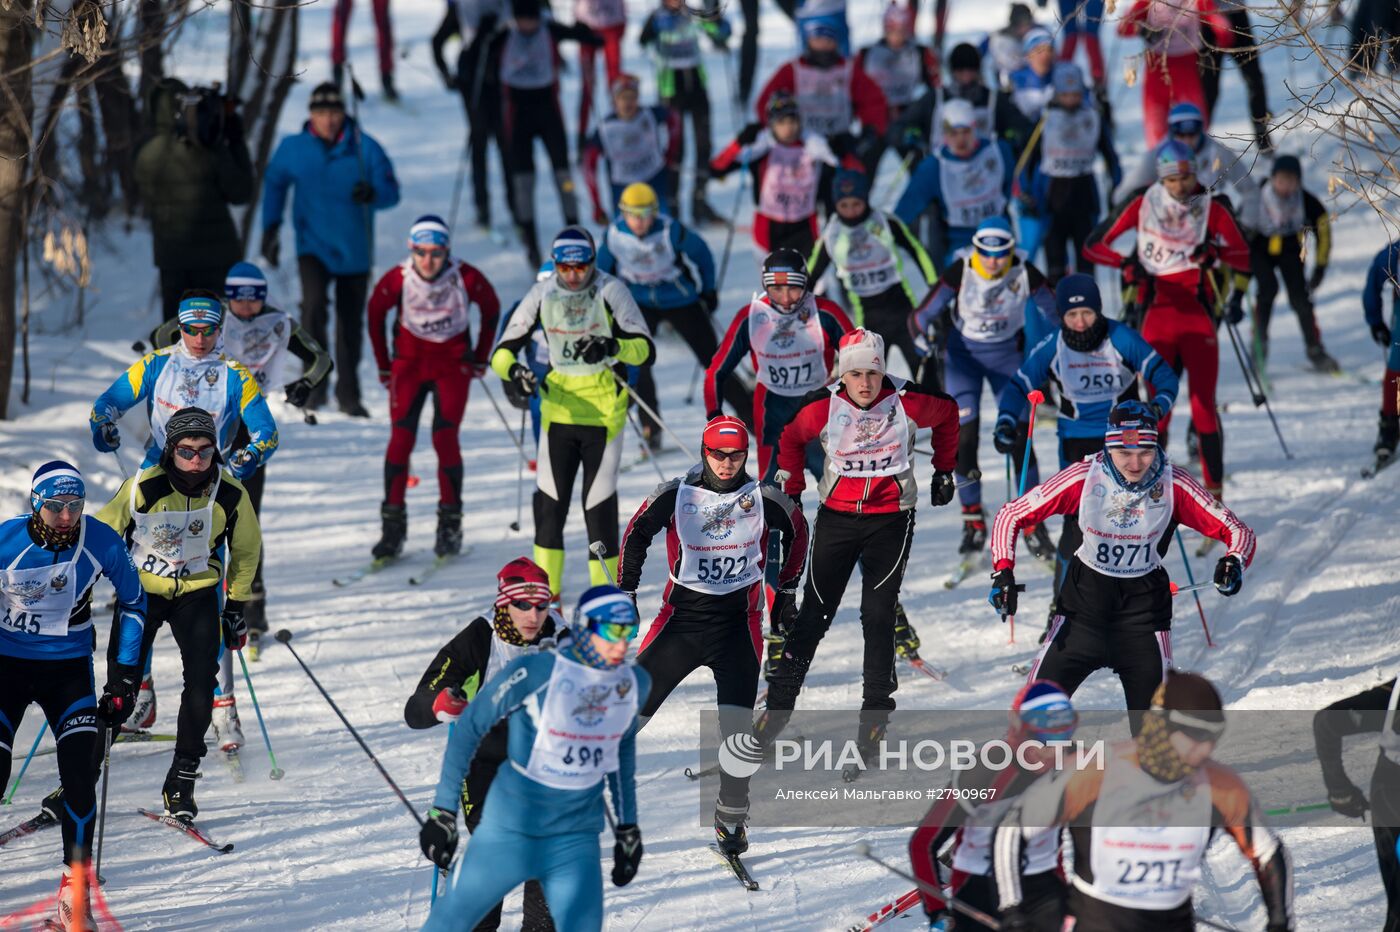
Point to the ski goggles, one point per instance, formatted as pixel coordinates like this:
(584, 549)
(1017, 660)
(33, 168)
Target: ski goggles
(55, 506)
(199, 330)
(1198, 729)
(523, 605)
(190, 455)
(615, 631)
(1187, 128)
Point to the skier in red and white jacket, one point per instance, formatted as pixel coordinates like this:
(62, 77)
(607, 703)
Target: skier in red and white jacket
(442, 337)
(1116, 600)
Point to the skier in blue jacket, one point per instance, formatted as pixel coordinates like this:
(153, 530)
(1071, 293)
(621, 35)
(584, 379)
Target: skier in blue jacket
(1384, 275)
(572, 715)
(1094, 363)
(341, 177)
(49, 561)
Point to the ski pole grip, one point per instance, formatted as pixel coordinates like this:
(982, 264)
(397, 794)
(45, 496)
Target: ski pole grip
(283, 635)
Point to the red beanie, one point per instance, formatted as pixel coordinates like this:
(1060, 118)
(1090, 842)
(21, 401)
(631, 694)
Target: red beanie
(523, 579)
(725, 433)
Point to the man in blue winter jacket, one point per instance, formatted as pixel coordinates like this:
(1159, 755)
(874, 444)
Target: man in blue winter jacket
(341, 177)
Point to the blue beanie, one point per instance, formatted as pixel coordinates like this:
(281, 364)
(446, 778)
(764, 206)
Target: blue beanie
(1078, 290)
(197, 310)
(429, 230)
(994, 237)
(245, 282)
(55, 478)
(573, 245)
(850, 182)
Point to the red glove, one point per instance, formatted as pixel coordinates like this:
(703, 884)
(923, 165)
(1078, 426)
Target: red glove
(449, 704)
(1133, 271)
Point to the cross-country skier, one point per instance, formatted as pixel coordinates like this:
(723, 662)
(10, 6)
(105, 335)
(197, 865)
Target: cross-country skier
(1079, 23)
(1372, 710)
(1217, 165)
(607, 19)
(1092, 362)
(862, 245)
(190, 526)
(1058, 183)
(1383, 275)
(520, 623)
(1183, 235)
(194, 372)
(901, 68)
(49, 561)
(1173, 34)
(572, 713)
(1244, 49)
(717, 522)
(976, 320)
(260, 336)
(994, 115)
(964, 182)
(866, 423)
(1004, 47)
(1030, 85)
(1286, 213)
(830, 91)
(1115, 601)
(594, 330)
(966, 818)
(526, 56)
(635, 143)
(791, 169)
(789, 335)
(446, 319)
(658, 259)
(681, 84)
(1141, 823)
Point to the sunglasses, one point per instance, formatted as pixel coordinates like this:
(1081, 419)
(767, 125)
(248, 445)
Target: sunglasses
(615, 631)
(524, 606)
(199, 330)
(721, 457)
(430, 253)
(1187, 128)
(57, 507)
(185, 453)
(571, 267)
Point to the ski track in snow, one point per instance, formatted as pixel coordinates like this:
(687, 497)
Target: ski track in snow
(329, 847)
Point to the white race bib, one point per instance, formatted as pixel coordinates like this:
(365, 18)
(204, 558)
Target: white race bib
(188, 383)
(972, 188)
(789, 349)
(38, 601)
(1122, 528)
(991, 310)
(527, 62)
(172, 543)
(585, 713)
(863, 256)
(649, 260)
(721, 538)
(898, 72)
(788, 192)
(633, 148)
(867, 443)
(1070, 140)
(260, 345)
(437, 311)
(1169, 231)
(1093, 377)
(823, 98)
(1280, 216)
(567, 317)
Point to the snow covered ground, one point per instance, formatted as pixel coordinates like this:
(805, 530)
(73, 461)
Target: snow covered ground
(329, 847)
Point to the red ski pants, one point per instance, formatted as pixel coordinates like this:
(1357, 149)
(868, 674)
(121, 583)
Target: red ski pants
(411, 381)
(1168, 80)
(384, 30)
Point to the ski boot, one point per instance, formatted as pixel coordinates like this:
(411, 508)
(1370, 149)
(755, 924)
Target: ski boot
(53, 805)
(395, 528)
(1039, 544)
(730, 834)
(228, 731)
(769, 725)
(1321, 361)
(338, 76)
(178, 791)
(386, 81)
(1193, 441)
(1388, 437)
(776, 640)
(867, 744)
(974, 536)
(651, 436)
(73, 914)
(906, 639)
(449, 531)
(143, 714)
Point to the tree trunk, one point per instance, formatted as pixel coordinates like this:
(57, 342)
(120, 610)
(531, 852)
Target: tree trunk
(16, 112)
(264, 90)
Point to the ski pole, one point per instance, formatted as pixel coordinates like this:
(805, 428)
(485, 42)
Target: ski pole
(1194, 587)
(652, 412)
(121, 463)
(597, 549)
(1257, 389)
(972, 912)
(276, 773)
(25, 766)
(729, 236)
(520, 474)
(102, 812)
(632, 419)
(1191, 578)
(437, 871)
(694, 380)
(519, 444)
(896, 181)
(1035, 397)
(285, 637)
(357, 94)
(457, 185)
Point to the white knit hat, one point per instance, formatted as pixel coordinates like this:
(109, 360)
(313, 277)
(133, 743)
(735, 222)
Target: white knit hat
(861, 349)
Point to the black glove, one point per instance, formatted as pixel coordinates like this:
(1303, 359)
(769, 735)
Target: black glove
(711, 415)
(110, 435)
(362, 193)
(517, 398)
(524, 379)
(1014, 920)
(1207, 255)
(233, 625)
(1381, 334)
(783, 614)
(1319, 272)
(1004, 436)
(1004, 589)
(1234, 309)
(1229, 574)
(627, 853)
(298, 393)
(594, 349)
(1134, 272)
(1351, 803)
(272, 244)
(709, 301)
(119, 696)
(1157, 410)
(438, 836)
(941, 490)
(748, 134)
(842, 144)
